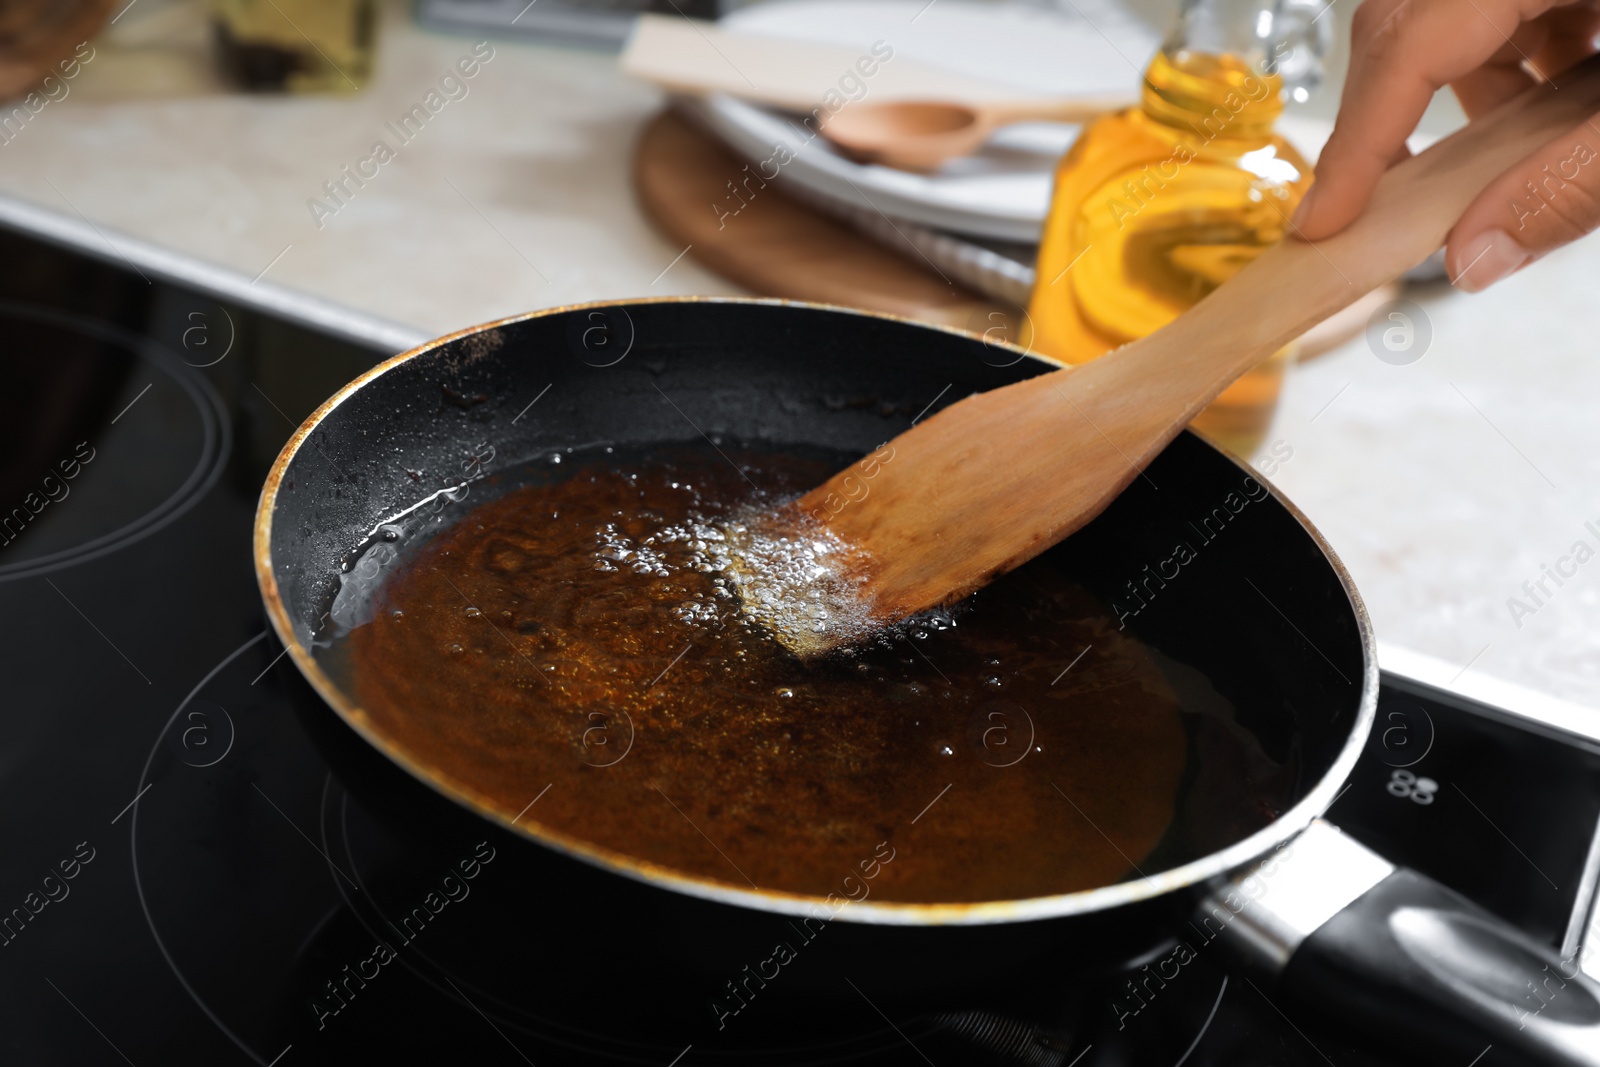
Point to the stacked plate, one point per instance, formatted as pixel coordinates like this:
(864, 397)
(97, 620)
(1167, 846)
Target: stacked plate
(977, 218)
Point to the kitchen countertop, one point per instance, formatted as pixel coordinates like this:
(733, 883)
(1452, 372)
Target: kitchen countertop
(516, 196)
(1447, 483)
(1444, 483)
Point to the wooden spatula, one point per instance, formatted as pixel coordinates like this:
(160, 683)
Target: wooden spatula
(990, 482)
(690, 56)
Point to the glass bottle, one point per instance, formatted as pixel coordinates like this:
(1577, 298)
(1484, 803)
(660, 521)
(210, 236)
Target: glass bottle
(297, 46)
(1156, 206)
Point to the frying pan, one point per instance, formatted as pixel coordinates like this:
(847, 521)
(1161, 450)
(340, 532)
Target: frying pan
(1266, 613)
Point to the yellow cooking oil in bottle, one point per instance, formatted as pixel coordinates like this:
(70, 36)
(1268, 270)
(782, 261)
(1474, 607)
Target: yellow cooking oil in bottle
(1157, 205)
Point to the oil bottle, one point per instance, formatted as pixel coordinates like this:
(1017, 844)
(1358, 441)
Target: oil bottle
(296, 46)
(1156, 206)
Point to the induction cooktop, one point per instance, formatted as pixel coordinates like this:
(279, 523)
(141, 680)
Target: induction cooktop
(203, 866)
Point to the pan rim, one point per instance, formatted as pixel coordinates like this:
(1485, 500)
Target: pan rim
(1196, 873)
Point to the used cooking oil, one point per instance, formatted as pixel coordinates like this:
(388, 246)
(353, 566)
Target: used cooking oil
(1156, 206)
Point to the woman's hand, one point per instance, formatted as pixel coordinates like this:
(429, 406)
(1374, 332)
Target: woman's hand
(1402, 51)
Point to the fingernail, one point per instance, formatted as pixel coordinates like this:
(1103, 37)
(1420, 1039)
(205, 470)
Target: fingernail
(1303, 212)
(1486, 259)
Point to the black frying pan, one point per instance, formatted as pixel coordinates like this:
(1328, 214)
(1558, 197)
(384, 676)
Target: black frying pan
(1267, 612)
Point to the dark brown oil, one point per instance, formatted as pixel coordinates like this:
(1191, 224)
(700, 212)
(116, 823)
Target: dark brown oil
(576, 636)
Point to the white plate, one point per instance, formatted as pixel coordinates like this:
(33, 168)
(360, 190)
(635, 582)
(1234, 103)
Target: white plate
(1003, 192)
(1085, 47)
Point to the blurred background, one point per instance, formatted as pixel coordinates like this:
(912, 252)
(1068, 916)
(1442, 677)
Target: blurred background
(396, 170)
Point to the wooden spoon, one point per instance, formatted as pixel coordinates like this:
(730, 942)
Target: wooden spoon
(992, 481)
(861, 98)
(924, 134)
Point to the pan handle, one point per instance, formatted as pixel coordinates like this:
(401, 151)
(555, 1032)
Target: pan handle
(1345, 933)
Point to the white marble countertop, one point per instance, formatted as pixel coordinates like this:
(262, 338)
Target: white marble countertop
(1444, 484)
(1447, 483)
(515, 196)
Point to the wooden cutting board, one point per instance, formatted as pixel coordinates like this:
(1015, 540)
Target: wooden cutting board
(777, 247)
(36, 36)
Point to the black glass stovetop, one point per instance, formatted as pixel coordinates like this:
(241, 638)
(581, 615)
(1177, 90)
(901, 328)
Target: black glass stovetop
(188, 879)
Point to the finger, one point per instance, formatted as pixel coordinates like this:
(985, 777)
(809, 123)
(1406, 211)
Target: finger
(1543, 202)
(1501, 77)
(1569, 39)
(1540, 50)
(1403, 51)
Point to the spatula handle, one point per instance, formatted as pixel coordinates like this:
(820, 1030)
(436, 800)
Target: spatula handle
(1295, 285)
